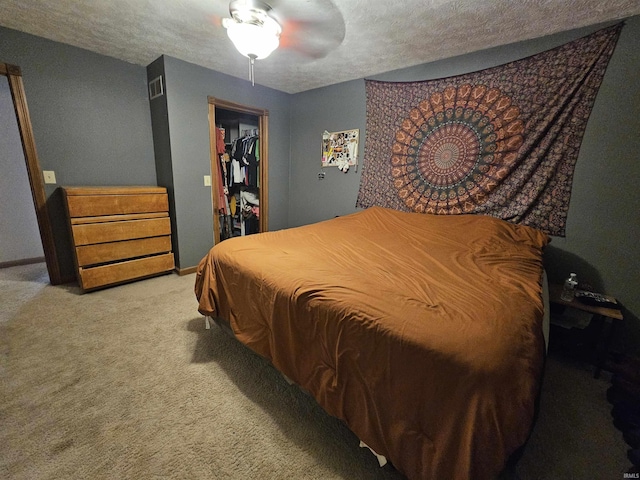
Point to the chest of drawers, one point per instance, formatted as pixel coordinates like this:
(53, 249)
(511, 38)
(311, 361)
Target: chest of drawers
(119, 234)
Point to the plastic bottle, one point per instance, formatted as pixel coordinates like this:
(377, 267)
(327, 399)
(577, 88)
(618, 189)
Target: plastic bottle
(569, 289)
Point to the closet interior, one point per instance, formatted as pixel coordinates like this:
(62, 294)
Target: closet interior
(238, 173)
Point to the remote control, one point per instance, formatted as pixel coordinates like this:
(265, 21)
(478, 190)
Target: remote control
(595, 299)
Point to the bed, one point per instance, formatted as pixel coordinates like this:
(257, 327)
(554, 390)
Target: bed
(423, 333)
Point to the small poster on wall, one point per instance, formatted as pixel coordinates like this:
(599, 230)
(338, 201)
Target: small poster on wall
(340, 149)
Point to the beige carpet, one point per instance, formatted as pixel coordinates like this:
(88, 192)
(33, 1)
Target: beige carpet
(125, 383)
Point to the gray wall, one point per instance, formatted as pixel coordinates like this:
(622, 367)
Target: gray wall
(19, 234)
(335, 108)
(187, 88)
(603, 228)
(90, 117)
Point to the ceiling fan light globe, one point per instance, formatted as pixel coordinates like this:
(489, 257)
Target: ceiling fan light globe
(253, 32)
(253, 40)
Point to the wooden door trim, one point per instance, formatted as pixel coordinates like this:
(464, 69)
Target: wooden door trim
(34, 172)
(263, 127)
(213, 156)
(237, 107)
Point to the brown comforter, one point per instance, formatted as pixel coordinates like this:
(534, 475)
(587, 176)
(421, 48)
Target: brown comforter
(423, 333)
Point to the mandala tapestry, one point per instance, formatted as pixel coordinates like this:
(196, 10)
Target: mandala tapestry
(501, 142)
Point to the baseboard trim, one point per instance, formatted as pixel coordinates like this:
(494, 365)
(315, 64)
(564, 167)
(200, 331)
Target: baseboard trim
(186, 271)
(22, 261)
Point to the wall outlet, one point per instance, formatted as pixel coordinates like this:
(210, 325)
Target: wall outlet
(49, 176)
(207, 180)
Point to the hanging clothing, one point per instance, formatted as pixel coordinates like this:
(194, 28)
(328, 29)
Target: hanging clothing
(251, 160)
(220, 147)
(222, 197)
(236, 172)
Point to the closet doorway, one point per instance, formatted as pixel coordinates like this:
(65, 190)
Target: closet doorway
(239, 138)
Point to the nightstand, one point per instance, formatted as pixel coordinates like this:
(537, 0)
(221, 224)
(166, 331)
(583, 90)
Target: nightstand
(601, 315)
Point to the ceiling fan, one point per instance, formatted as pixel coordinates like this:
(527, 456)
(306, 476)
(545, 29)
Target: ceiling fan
(310, 27)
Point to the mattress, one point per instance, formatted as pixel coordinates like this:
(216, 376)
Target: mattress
(423, 333)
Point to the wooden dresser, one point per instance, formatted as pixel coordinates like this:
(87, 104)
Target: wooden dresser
(119, 234)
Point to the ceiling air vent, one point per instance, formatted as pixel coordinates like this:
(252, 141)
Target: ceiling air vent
(155, 88)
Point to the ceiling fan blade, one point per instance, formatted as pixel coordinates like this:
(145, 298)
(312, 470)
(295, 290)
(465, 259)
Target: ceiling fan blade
(311, 27)
(315, 40)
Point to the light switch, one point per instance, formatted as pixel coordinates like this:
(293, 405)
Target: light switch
(207, 180)
(49, 176)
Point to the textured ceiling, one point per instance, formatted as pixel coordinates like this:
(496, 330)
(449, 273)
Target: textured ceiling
(324, 41)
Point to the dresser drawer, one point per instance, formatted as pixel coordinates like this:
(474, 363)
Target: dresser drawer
(114, 273)
(98, 205)
(91, 233)
(115, 251)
